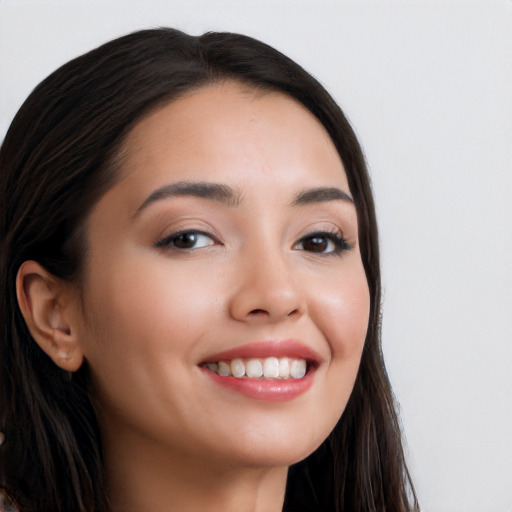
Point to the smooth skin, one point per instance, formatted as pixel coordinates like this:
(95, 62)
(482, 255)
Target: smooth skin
(254, 260)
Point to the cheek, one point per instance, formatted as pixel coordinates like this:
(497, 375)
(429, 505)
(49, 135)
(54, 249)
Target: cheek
(141, 318)
(343, 313)
(147, 327)
(152, 298)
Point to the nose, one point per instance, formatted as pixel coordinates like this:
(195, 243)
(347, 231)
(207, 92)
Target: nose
(267, 289)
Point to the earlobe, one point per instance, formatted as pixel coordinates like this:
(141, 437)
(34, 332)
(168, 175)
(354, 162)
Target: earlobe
(46, 304)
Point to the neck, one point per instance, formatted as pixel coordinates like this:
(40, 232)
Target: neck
(142, 477)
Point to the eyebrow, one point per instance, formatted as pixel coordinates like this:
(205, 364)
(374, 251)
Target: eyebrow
(320, 195)
(231, 197)
(212, 191)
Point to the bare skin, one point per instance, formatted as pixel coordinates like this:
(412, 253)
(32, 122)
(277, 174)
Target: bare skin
(263, 260)
(189, 486)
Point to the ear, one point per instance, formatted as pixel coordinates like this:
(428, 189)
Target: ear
(49, 307)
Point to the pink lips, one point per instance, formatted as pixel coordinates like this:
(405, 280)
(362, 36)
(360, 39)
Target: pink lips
(273, 390)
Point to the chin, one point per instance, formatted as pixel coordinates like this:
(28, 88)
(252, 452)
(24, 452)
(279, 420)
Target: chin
(274, 444)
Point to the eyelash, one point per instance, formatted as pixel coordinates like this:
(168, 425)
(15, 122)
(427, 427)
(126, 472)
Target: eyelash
(170, 241)
(334, 237)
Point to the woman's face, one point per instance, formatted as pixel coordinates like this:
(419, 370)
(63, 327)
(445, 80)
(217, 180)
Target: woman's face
(228, 246)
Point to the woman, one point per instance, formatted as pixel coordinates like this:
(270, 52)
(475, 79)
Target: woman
(191, 289)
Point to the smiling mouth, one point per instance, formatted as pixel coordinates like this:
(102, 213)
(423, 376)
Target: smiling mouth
(269, 371)
(282, 368)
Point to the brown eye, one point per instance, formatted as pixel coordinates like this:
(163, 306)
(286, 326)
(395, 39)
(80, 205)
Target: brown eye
(187, 240)
(323, 243)
(316, 244)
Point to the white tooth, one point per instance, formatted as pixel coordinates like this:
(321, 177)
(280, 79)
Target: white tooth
(237, 368)
(213, 367)
(284, 368)
(271, 368)
(253, 369)
(297, 368)
(224, 369)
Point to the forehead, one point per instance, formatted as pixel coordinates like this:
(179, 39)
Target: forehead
(230, 122)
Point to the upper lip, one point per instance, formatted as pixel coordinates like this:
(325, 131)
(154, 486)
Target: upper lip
(263, 349)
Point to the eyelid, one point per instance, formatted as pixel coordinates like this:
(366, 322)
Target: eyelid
(333, 234)
(165, 242)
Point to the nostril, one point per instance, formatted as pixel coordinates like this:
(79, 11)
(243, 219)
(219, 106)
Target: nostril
(258, 312)
(264, 312)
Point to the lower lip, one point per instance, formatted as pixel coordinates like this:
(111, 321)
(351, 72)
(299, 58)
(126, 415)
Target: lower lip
(270, 390)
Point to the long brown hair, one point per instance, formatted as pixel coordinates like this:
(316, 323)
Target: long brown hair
(57, 159)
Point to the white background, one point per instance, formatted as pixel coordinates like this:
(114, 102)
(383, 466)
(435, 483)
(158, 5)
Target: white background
(427, 85)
